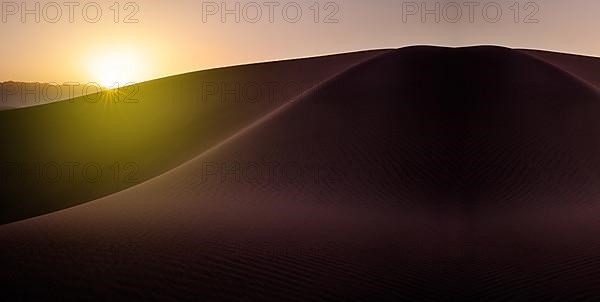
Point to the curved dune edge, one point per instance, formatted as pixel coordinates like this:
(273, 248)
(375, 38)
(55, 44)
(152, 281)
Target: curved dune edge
(191, 73)
(572, 73)
(528, 52)
(241, 132)
(298, 99)
(135, 132)
(180, 245)
(582, 66)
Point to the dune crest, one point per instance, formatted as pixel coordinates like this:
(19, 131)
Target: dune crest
(78, 150)
(406, 175)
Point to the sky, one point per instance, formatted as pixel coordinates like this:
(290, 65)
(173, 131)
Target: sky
(103, 40)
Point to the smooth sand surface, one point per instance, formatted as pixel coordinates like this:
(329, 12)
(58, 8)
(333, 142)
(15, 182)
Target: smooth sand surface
(139, 132)
(420, 174)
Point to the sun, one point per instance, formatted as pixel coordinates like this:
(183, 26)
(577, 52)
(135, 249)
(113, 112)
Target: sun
(116, 68)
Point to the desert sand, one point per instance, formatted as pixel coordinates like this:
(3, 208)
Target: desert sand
(417, 174)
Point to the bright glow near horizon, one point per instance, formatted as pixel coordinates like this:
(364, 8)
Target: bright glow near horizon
(179, 36)
(117, 68)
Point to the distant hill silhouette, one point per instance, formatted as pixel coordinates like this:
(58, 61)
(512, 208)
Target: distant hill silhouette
(27, 94)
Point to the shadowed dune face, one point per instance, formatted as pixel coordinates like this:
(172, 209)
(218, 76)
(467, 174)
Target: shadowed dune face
(467, 126)
(583, 67)
(59, 155)
(426, 127)
(418, 174)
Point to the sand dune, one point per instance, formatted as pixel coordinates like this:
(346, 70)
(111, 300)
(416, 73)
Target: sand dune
(581, 66)
(62, 154)
(416, 174)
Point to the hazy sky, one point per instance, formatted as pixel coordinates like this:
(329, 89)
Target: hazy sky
(176, 36)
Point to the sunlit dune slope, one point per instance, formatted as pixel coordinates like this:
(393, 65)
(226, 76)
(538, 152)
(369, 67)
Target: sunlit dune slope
(441, 175)
(57, 155)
